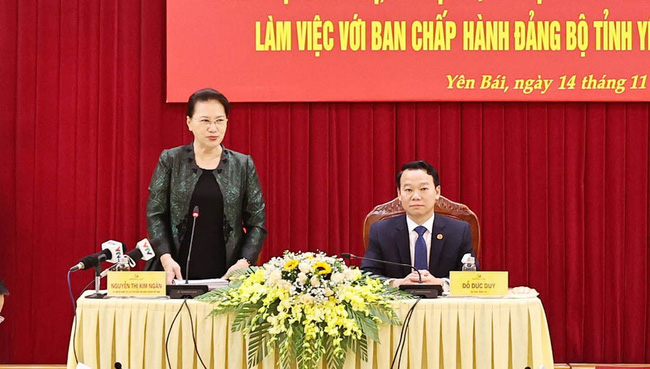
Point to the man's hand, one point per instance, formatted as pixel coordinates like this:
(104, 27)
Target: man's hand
(413, 278)
(241, 263)
(172, 269)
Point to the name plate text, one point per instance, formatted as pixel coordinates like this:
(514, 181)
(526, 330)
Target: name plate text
(478, 283)
(125, 283)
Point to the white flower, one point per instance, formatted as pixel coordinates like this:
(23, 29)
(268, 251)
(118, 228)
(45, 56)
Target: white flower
(304, 267)
(285, 304)
(306, 298)
(274, 277)
(337, 277)
(302, 278)
(315, 282)
(352, 274)
(328, 292)
(286, 285)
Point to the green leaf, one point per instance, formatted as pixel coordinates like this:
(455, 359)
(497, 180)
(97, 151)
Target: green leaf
(213, 295)
(297, 338)
(241, 322)
(308, 357)
(286, 356)
(367, 325)
(346, 343)
(360, 347)
(237, 274)
(257, 348)
(304, 359)
(386, 315)
(245, 315)
(333, 360)
(227, 309)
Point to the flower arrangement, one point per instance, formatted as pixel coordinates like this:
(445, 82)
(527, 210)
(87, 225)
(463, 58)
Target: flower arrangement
(307, 306)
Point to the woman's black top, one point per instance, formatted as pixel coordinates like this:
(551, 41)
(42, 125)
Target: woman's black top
(208, 259)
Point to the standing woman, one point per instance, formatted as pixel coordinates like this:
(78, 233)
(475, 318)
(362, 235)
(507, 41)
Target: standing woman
(230, 229)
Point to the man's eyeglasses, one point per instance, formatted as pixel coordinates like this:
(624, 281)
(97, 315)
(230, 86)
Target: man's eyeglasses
(219, 122)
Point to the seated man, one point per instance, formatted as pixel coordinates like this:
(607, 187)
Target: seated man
(432, 244)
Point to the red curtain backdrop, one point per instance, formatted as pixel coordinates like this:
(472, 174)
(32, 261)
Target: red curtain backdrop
(561, 189)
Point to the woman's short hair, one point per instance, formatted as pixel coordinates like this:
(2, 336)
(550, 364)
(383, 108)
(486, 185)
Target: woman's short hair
(207, 94)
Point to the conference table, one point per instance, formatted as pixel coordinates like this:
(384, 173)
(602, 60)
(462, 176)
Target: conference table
(444, 333)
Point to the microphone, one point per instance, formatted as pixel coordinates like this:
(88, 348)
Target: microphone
(420, 289)
(195, 214)
(142, 251)
(116, 248)
(186, 290)
(111, 252)
(347, 255)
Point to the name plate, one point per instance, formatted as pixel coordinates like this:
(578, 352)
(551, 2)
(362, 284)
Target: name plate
(478, 283)
(125, 283)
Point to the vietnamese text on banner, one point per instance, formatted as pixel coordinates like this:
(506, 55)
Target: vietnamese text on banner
(415, 50)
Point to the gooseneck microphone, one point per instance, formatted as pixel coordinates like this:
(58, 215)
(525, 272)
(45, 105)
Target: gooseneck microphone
(347, 255)
(195, 214)
(419, 289)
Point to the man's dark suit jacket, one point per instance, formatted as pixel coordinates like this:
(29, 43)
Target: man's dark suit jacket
(389, 240)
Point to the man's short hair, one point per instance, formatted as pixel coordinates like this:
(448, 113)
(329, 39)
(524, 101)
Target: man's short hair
(417, 165)
(207, 94)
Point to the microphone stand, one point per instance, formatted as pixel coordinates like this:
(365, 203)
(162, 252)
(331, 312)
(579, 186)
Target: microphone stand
(352, 256)
(195, 215)
(186, 290)
(428, 291)
(98, 278)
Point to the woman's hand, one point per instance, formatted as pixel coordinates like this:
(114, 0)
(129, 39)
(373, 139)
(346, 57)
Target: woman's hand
(241, 263)
(172, 269)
